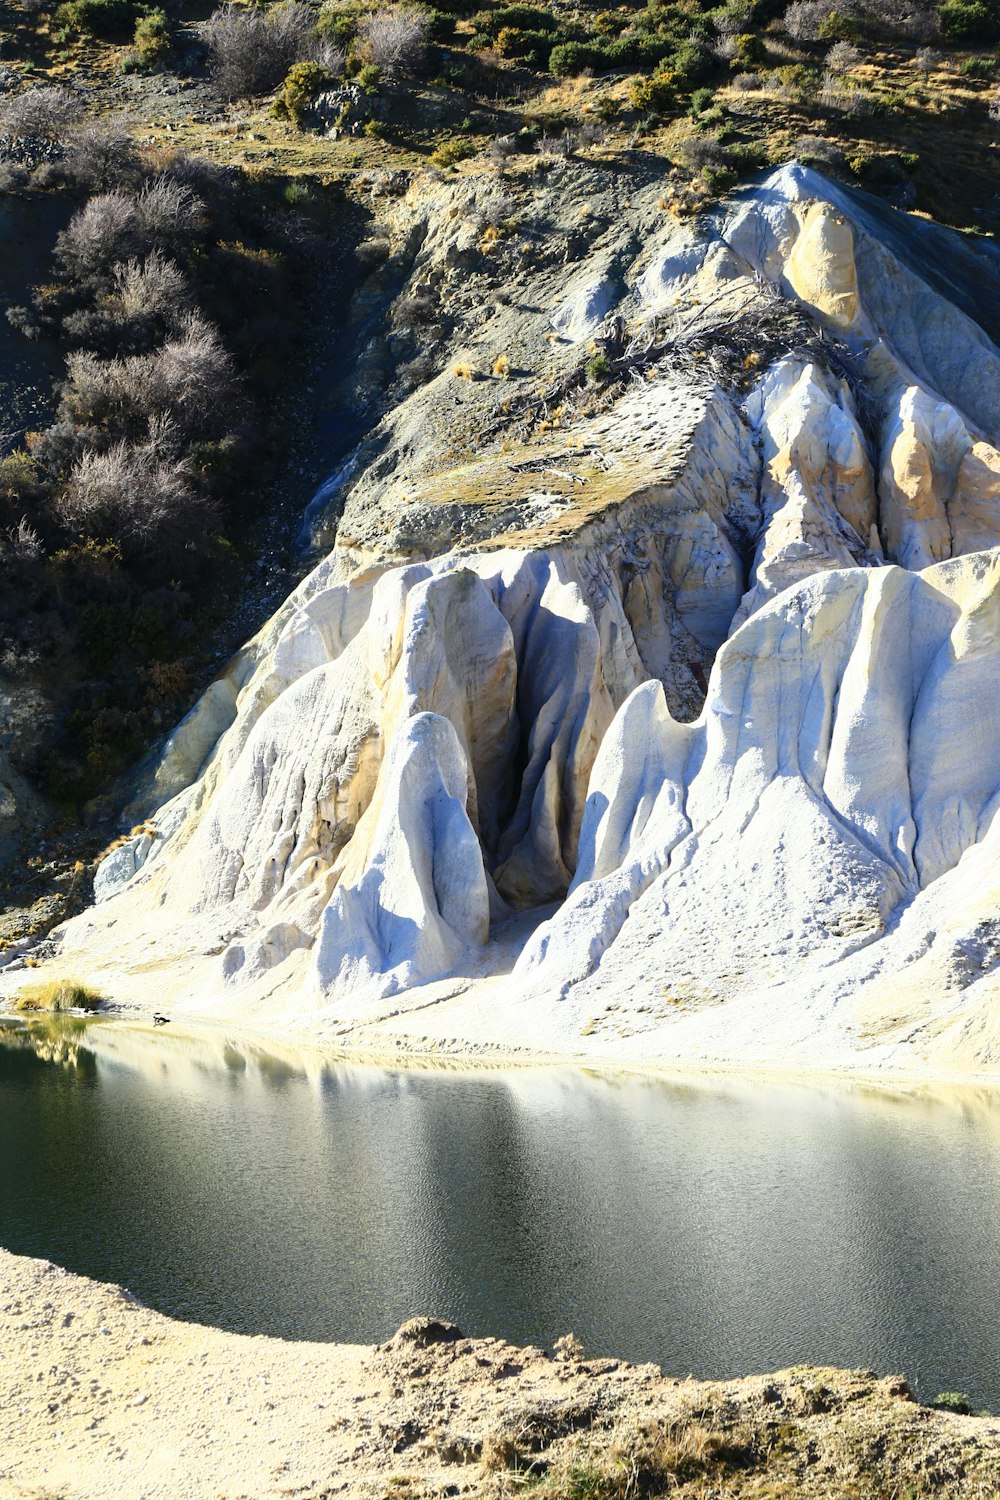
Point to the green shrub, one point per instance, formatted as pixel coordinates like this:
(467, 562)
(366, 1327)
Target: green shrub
(296, 194)
(533, 47)
(748, 52)
(952, 1401)
(303, 83)
(152, 38)
(440, 25)
(719, 179)
(839, 28)
(798, 79)
(608, 23)
(520, 17)
(115, 19)
(701, 100)
(970, 20)
(691, 63)
(368, 77)
(570, 58)
(538, 49)
(337, 25)
(978, 67)
(449, 153)
(106, 629)
(654, 95)
(748, 156)
(598, 369)
(634, 49)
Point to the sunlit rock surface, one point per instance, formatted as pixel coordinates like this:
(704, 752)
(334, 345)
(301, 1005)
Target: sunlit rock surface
(671, 736)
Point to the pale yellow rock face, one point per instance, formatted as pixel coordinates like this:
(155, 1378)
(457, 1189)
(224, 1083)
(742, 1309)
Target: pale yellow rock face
(925, 442)
(817, 485)
(687, 750)
(974, 504)
(820, 268)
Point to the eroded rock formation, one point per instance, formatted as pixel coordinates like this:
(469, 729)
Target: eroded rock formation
(667, 728)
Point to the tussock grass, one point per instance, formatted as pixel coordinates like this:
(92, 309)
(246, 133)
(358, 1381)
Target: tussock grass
(58, 995)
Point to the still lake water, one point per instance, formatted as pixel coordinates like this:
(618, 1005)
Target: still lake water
(718, 1228)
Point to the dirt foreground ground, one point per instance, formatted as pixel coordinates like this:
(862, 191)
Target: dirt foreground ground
(101, 1397)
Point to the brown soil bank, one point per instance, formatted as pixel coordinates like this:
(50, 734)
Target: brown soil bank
(100, 1397)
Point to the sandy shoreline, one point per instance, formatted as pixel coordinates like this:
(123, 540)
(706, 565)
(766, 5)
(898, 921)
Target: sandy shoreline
(101, 1397)
(394, 1053)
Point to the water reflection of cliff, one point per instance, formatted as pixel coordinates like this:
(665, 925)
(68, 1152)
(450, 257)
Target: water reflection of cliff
(51, 1039)
(713, 1224)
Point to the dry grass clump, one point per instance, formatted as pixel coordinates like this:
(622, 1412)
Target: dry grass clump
(59, 995)
(796, 1436)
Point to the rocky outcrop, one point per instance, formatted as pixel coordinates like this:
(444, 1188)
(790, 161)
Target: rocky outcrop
(663, 725)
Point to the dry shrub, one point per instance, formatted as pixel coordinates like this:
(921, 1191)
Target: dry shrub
(418, 371)
(170, 214)
(842, 57)
(251, 50)
(421, 307)
(149, 299)
(804, 19)
(810, 20)
(734, 19)
(58, 994)
(102, 155)
(21, 543)
(816, 148)
(373, 252)
(189, 383)
(118, 226)
(135, 497)
(705, 150)
(393, 39)
(13, 177)
(154, 288)
(103, 231)
(43, 113)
